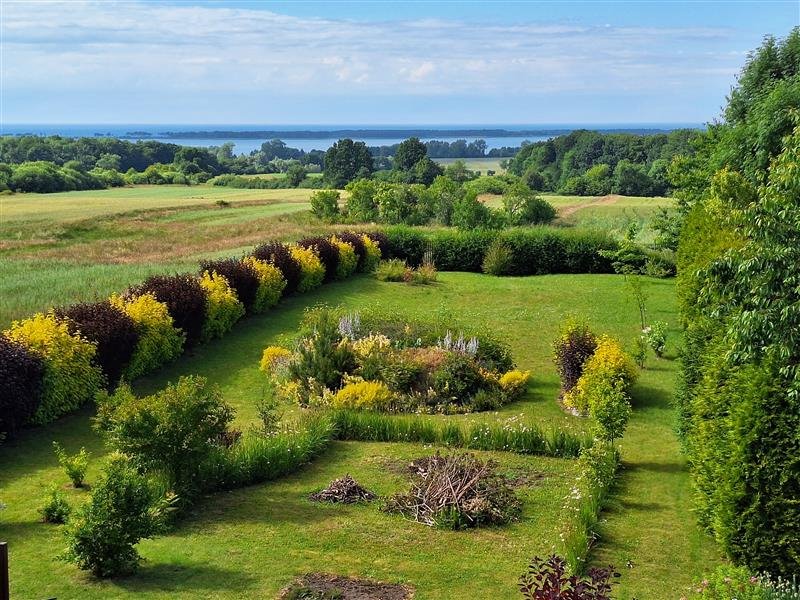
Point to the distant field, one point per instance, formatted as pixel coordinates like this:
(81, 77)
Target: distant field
(73, 206)
(476, 164)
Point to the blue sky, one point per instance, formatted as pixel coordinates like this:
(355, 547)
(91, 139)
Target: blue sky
(377, 62)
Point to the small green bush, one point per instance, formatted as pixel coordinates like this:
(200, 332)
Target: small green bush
(391, 270)
(74, 465)
(325, 204)
(123, 509)
(498, 259)
(168, 431)
(55, 509)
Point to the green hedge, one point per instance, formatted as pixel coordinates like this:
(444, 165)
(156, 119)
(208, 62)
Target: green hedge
(534, 250)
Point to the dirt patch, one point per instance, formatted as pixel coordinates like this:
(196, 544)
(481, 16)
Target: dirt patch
(566, 211)
(324, 586)
(344, 490)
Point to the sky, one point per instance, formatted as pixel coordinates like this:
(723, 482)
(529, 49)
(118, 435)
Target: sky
(377, 62)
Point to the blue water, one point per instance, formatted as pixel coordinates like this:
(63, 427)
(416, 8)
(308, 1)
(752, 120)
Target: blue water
(245, 146)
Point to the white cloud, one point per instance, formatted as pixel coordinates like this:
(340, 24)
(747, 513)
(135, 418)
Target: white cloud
(55, 47)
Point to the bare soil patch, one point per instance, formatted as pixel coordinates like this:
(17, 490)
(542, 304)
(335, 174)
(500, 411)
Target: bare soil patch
(324, 586)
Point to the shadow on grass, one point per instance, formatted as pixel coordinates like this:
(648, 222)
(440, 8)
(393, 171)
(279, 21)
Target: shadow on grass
(187, 577)
(645, 396)
(658, 467)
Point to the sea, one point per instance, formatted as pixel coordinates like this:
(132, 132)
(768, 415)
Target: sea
(246, 138)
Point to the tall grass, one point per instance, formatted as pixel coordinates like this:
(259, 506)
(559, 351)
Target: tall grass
(518, 438)
(598, 466)
(256, 458)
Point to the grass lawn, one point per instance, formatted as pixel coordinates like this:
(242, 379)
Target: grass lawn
(250, 542)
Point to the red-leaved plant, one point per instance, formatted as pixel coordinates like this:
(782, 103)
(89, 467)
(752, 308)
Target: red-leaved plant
(547, 579)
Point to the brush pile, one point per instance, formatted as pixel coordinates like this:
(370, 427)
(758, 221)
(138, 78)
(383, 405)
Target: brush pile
(344, 490)
(456, 492)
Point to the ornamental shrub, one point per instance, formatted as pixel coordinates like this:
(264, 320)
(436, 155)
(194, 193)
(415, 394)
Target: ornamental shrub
(348, 260)
(406, 243)
(372, 254)
(74, 465)
(382, 240)
(498, 259)
(70, 376)
(271, 283)
(460, 250)
(458, 378)
(609, 408)
(280, 255)
(272, 356)
(571, 349)
(311, 270)
(327, 252)
(357, 241)
(159, 341)
(392, 270)
(124, 509)
(185, 300)
(55, 509)
(110, 329)
(21, 375)
(365, 395)
(608, 365)
(223, 308)
(241, 277)
(168, 431)
(514, 383)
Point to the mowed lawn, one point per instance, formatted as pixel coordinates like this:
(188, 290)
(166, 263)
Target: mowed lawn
(251, 542)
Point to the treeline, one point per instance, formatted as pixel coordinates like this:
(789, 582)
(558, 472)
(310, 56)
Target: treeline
(738, 257)
(590, 163)
(455, 149)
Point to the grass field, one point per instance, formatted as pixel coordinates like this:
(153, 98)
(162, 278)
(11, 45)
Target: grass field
(250, 542)
(476, 164)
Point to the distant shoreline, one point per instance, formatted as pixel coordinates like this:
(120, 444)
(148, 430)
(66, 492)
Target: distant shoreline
(375, 133)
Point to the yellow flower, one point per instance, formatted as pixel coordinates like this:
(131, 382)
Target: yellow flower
(514, 381)
(370, 395)
(273, 355)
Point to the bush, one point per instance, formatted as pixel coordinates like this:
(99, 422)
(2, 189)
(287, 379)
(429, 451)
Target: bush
(123, 510)
(498, 259)
(514, 383)
(110, 329)
(458, 378)
(312, 272)
(348, 260)
(542, 250)
(70, 377)
(271, 283)
(364, 395)
(358, 242)
(325, 204)
(185, 301)
(74, 465)
(168, 431)
(327, 252)
(381, 240)
(372, 254)
(241, 276)
(610, 409)
(571, 349)
(55, 509)
(391, 270)
(609, 365)
(21, 379)
(272, 356)
(280, 255)
(460, 250)
(223, 308)
(159, 342)
(423, 275)
(656, 336)
(405, 243)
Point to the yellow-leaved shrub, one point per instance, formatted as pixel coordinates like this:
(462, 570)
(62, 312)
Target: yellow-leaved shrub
(373, 254)
(270, 283)
(311, 270)
(159, 340)
(514, 382)
(272, 356)
(363, 395)
(608, 366)
(223, 308)
(70, 376)
(348, 260)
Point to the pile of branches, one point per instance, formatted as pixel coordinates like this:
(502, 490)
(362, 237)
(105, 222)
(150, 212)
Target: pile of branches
(344, 490)
(455, 492)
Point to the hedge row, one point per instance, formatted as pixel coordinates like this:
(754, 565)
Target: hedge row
(528, 251)
(53, 363)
